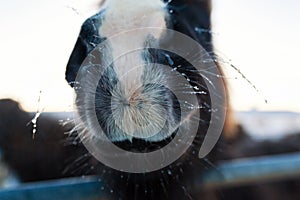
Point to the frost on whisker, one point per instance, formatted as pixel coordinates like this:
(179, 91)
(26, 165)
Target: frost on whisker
(36, 116)
(200, 30)
(75, 10)
(226, 63)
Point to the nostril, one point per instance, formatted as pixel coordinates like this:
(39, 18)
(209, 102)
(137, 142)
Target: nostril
(135, 97)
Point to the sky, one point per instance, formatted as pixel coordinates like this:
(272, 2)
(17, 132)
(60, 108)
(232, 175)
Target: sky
(261, 38)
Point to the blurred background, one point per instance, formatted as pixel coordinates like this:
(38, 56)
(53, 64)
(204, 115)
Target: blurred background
(260, 38)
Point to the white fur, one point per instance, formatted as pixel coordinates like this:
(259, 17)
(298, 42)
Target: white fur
(126, 15)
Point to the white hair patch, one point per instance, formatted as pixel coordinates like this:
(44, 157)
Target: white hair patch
(125, 15)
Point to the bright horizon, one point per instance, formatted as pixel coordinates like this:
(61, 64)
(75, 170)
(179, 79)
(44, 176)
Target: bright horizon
(260, 38)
